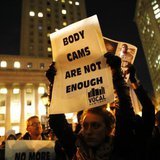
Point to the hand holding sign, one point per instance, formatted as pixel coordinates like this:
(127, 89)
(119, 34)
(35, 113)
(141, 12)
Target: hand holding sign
(83, 80)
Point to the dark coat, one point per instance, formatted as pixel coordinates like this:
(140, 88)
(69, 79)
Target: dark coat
(27, 136)
(123, 147)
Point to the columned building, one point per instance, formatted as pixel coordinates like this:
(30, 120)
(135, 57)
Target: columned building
(147, 17)
(22, 84)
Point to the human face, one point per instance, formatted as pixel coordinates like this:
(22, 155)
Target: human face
(93, 129)
(124, 48)
(34, 127)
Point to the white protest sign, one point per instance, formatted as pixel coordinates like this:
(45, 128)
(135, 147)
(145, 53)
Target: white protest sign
(29, 150)
(82, 79)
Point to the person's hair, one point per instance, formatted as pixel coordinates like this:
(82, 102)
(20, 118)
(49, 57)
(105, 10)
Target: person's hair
(107, 116)
(11, 137)
(30, 118)
(125, 45)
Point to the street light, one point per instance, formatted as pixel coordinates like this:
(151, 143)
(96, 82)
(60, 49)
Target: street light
(45, 100)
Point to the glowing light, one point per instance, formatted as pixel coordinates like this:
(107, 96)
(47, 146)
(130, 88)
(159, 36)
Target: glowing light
(32, 14)
(3, 90)
(40, 14)
(17, 64)
(64, 11)
(3, 64)
(41, 90)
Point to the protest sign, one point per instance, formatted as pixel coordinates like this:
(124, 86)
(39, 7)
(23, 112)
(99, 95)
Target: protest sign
(83, 80)
(126, 51)
(29, 150)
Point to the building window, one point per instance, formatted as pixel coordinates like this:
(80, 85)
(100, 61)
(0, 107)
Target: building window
(17, 64)
(15, 110)
(3, 90)
(28, 91)
(2, 131)
(40, 27)
(41, 90)
(29, 65)
(16, 91)
(3, 64)
(49, 49)
(2, 117)
(32, 13)
(49, 42)
(29, 103)
(70, 2)
(48, 15)
(40, 14)
(49, 28)
(48, 34)
(64, 11)
(64, 23)
(41, 65)
(77, 3)
(2, 103)
(40, 34)
(48, 10)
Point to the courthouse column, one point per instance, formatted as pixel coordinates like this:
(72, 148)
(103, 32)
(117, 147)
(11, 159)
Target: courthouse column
(8, 108)
(36, 99)
(22, 116)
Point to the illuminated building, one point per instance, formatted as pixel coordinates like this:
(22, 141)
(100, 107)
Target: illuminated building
(22, 77)
(22, 83)
(42, 17)
(147, 18)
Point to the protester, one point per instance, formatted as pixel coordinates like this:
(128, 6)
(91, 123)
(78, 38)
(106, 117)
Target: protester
(18, 135)
(2, 151)
(11, 137)
(155, 141)
(148, 108)
(143, 124)
(95, 140)
(78, 125)
(34, 129)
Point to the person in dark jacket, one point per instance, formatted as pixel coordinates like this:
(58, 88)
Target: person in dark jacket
(144, 124)
(94, 141)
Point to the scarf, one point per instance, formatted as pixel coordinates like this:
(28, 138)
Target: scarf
(101, 153)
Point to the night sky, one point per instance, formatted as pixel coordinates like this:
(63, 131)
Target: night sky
(116, 18)
(10, 15)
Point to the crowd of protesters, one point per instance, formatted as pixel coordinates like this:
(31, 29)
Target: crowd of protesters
(100, 134)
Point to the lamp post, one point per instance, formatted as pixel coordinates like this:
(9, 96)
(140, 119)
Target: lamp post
(45, 100)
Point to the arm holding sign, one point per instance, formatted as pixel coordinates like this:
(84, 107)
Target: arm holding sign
(124, 134)
(148, 109)
(58, 122)
(88, 134)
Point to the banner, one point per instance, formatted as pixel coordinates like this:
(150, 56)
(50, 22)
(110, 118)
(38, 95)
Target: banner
(29, 150)
(83, 80)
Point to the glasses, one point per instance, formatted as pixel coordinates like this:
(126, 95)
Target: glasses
(92, 125)
(34, 124)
